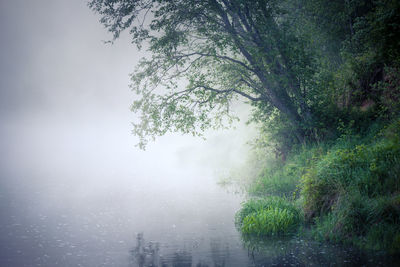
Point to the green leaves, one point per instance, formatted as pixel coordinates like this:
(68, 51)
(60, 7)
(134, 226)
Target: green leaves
(204, 54)
(301, 64)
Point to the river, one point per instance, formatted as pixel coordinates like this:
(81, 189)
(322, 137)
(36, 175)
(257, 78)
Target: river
(74, 191)
(72, 195)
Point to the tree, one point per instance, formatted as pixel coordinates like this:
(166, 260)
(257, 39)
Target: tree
(221, 49)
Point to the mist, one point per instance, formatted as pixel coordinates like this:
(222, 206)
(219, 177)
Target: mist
(65, 100)
(74, 189)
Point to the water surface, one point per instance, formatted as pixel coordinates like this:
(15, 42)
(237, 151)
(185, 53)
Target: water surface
(135, 210)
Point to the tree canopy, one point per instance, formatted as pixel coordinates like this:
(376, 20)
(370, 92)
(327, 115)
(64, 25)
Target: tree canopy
(206, 53)
(222, 49)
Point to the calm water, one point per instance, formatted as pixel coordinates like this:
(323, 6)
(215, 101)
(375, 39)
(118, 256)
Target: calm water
(74, 196)
(189, 219)
(75, 192)
(185, 222)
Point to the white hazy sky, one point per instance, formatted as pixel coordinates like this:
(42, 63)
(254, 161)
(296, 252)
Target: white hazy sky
(52, 59)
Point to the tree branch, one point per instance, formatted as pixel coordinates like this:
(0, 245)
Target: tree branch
(224, 91)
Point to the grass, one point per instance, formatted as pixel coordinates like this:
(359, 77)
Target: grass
(348, 192)
(268, 216)
(283, 179)
(353, 193)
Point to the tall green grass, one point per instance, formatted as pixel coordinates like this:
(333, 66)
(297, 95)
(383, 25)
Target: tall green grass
(353, 193)
(283, 178)
(268, 216)
(348, 191)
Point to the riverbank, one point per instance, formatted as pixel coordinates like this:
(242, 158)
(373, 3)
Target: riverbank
(346, 191)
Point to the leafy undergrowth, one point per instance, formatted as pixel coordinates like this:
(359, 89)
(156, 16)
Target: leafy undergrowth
(282, 179)
(348, 192)
(353, 193)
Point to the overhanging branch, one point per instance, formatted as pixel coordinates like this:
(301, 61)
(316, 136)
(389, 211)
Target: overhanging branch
(231, 90)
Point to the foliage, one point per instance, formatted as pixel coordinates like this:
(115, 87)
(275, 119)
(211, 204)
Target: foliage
(322, 77)
(269, 216)
(348, 190)
(370, 223)
(389, 91)
(220, 49)
(371, 168)
(283, 178)
(306, 66)
(352, 193)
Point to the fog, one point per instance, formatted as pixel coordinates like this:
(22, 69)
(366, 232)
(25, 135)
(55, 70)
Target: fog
(74, 189)
(72, 181)
(65, 103)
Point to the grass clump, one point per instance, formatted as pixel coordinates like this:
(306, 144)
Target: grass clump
(269, 216)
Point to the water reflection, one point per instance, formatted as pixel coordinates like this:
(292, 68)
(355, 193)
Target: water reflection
(219, 254)
(282, 251)
(296, 251)
(149, 255)
(145, 255)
